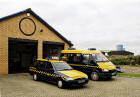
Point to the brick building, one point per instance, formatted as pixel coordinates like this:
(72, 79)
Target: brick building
(24, 36)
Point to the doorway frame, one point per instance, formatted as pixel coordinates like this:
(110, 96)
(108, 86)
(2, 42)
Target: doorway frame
(21, 40)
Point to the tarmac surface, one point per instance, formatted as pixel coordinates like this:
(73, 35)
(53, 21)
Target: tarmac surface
(22, 85)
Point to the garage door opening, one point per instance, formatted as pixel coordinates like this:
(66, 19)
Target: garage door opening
(52, 48)
(21, 53)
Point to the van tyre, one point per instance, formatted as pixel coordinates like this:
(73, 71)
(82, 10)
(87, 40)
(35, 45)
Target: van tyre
(35, 77)
(94, 76)
(60, 84)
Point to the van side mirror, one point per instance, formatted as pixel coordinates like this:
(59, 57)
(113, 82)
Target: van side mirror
(93, 63)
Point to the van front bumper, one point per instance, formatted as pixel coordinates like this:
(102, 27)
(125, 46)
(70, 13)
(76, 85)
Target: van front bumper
(81, 81)
(108, 74)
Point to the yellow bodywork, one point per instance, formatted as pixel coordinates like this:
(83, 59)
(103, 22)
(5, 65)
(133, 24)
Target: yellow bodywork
(81, 51)
(106, 65)
(50, 60)
(74, 74)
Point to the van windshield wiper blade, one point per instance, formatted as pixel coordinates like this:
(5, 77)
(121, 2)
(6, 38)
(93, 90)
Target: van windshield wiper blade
(67, 69)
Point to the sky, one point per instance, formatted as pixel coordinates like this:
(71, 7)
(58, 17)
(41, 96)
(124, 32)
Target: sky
(100, 24)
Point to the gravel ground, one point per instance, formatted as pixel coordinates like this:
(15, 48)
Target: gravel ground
(131, 69)
(22, 85)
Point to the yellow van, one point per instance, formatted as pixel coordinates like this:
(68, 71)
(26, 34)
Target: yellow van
(92, 62)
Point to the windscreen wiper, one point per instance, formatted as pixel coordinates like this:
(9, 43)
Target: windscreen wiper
(67, 69)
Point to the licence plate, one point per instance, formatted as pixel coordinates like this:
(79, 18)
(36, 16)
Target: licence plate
(81, 81)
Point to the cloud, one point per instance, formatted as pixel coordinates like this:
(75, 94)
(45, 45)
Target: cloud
(87, 23)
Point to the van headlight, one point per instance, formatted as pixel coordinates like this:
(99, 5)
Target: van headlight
(69, 78)
(105, 70)
(86, 77)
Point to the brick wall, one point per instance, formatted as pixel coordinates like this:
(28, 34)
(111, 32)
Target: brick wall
(10, 28)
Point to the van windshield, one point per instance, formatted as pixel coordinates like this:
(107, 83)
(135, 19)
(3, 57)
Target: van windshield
(99, 58)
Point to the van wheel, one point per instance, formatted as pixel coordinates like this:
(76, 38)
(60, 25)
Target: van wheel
(35, 77)
(94, 76)
(60, 84)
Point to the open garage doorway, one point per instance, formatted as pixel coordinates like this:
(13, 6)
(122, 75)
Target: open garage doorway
(21, 53)
(52, 48)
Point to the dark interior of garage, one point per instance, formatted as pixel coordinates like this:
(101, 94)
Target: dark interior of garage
(21, 53)
(52, 48)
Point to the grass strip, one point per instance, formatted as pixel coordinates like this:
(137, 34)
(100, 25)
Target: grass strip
(128, 74)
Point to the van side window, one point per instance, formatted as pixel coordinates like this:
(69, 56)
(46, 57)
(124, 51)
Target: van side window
(74, 58)
(86, 58)
(92, 60)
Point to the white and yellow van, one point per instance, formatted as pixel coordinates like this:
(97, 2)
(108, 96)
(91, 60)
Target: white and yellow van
(92, 62)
